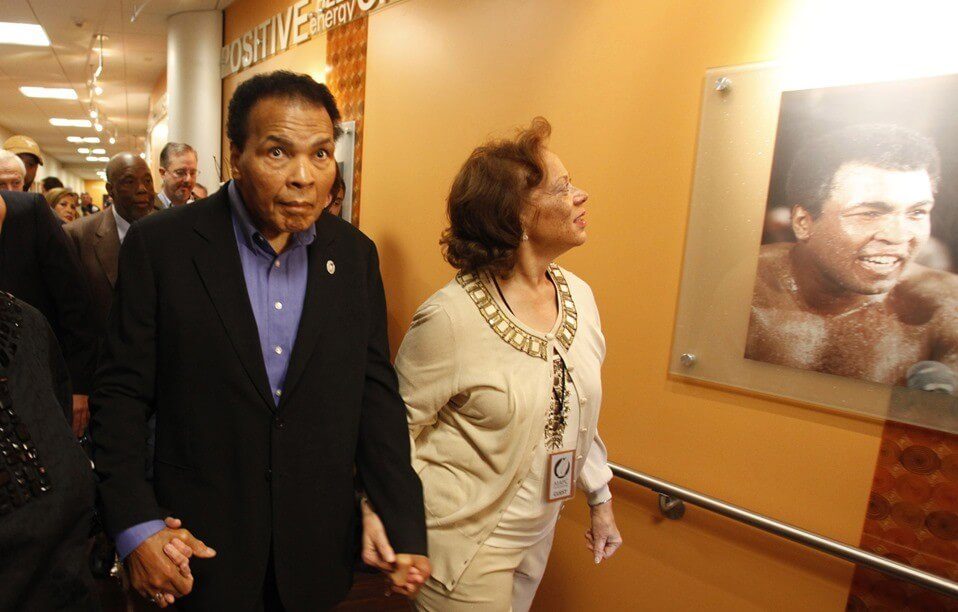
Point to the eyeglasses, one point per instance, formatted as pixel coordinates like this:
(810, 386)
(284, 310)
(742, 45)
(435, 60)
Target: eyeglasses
(182, 173)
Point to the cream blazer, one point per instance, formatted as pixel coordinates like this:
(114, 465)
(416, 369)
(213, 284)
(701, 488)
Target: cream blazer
(477, 385)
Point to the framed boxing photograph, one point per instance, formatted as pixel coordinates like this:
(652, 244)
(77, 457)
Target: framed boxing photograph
(822, 244)
(856, 274)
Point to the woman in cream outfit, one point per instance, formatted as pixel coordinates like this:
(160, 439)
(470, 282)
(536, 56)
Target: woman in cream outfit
(500, 373)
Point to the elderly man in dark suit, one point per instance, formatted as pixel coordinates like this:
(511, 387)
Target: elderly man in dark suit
(254, 327)
(97, 237)
(38, 266)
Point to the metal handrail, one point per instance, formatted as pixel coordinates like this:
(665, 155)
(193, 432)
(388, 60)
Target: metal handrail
(812, 540)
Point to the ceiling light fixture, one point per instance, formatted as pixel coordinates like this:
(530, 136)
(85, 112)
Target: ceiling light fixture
(112, 140)
(30, 34)
(83, 151)
(93, 113)
(70, 122)
(142, 155)
(90, 139)
(98, 127)
(55, 93)
(98, 151)
(91, 158)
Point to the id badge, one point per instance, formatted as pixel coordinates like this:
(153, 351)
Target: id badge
(561, 476)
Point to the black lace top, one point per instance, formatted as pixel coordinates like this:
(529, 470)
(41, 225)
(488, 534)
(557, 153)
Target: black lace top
(46, 481)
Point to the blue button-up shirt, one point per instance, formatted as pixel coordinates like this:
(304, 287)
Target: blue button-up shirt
(276, 285)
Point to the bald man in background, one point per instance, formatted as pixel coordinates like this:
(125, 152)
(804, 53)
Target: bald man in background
(97, 237)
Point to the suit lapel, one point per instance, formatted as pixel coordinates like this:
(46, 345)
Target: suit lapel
(106, 245)
(220, 269)
(320, 286)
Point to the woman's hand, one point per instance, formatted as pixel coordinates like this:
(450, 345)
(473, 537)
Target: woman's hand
(376, 549)
(603, 539)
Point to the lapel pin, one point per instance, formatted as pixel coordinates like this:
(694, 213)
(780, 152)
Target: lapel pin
(331, 267)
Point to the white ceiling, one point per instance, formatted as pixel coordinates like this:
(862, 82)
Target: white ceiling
(134, 58)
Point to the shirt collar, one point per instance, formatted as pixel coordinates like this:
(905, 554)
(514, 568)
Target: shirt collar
(162, 196)
(247, 232)
(122, 225)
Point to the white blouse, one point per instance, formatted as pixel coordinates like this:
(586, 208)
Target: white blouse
(477, 385)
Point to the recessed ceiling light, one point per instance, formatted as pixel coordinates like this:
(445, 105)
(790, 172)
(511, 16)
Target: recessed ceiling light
(83, 150)
(98, 151)
(70, 122)
(93, 113)
(104, 159)
(92, 158)
(112, 140)
(90, 139)
(57, 93)
(23, 34)
(98, 127)
(98, 90)
(142, 155)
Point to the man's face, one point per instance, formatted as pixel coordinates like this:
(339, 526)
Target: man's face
(86, 199)
(132, 189)
(871, 226)
(286, 167)
(179, 177)
(32, 163)
(11, 179)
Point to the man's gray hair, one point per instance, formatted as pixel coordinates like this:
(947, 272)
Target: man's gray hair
(173, 149)
(8, 157)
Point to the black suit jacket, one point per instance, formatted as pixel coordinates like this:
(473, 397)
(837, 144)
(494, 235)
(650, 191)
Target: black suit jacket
(38, 265)
(245, 475)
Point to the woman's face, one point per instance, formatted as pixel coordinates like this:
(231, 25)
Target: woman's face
(66, 208)
(555, 217)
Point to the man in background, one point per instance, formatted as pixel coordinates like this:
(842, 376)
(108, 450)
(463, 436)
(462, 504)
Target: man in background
(847, 297)
(12, 171)
(87, 205)
(29, 151)
(97, 237)
(49, 183)
(178, 172)
(38, 266)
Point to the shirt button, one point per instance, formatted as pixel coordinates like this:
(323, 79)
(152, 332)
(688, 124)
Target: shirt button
(279, 392)
(579, 458)
(276, 264)
(279, 422)
(582, 400)
(582, 429)
(278, 305)
(278, 350)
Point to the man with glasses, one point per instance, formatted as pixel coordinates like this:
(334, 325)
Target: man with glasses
(178, 172)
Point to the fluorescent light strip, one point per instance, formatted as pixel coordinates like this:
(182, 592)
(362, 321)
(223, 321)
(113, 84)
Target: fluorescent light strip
(85, 123)
(83, 151)
(29, 34)
(56, 93)
(90, 139)
(98, 151)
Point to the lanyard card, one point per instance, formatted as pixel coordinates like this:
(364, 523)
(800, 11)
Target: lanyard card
(561, 475)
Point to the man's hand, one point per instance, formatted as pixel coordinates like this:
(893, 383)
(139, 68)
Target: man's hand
(406, 573)
(603, 539)
(153, 573)
(81, 414)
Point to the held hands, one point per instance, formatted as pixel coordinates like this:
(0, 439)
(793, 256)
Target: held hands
(603, 539)
(159, 568)
(81, 414)
(407, 573)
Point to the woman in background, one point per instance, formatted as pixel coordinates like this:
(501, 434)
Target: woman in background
(500, 373)
(65, 204)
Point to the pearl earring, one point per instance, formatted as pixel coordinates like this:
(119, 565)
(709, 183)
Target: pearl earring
(525, 236)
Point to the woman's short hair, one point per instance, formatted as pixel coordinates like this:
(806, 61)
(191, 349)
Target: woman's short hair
(54, 196)
(487, 197)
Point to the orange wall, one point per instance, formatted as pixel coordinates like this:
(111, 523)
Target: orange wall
(620, 82)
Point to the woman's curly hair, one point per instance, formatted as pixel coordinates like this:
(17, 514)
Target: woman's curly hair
(486, 198)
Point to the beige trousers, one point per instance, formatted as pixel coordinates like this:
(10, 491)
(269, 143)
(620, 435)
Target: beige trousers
(497, 580)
